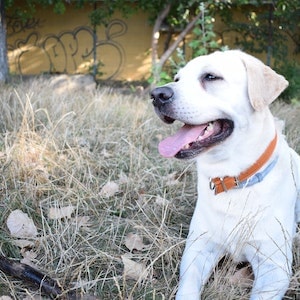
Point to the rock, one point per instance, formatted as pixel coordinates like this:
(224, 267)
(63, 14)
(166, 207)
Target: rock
(71, 83)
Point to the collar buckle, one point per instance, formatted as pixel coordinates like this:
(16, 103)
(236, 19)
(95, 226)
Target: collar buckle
(212, 185)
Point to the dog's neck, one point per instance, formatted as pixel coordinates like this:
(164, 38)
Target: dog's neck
(254, 174)
(232, 160)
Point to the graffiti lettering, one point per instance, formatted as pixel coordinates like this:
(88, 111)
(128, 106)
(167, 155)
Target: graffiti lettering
(70, 51)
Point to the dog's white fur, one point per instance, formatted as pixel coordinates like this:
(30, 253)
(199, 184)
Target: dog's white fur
(254, 224)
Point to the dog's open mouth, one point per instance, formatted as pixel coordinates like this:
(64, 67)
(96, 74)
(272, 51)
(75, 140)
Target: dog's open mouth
(190, 140)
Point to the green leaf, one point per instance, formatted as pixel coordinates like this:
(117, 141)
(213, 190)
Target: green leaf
(59, 8)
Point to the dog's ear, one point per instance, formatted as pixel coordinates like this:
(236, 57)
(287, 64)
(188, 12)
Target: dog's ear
(264, 84)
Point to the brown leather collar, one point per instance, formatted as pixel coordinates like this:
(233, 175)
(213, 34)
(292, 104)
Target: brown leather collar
(223, 184)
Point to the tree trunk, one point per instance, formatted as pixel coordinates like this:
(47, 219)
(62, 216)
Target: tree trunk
(179, 39)
(155, 38)
(270, 35)
(3, 48)
(158, 63)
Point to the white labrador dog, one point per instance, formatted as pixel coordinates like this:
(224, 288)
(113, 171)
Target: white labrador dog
(248, 177)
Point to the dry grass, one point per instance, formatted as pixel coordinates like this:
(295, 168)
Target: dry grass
(61, 150)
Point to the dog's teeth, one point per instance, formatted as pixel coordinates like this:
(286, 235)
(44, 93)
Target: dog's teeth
(209, 126)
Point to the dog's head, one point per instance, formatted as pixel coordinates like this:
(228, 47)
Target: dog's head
(213, 95)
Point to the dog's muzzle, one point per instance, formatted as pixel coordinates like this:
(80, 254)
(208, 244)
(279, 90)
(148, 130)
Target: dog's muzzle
(191, 139)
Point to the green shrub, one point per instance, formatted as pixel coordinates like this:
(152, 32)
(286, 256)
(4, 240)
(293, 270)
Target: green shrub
(291, 71)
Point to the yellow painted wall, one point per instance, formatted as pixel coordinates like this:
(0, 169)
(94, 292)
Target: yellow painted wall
(54, 43)
(63, 44)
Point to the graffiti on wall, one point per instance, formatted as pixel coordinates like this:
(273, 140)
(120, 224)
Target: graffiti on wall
(73, 51)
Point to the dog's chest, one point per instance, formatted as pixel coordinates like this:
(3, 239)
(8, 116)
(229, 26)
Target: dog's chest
(232, 218)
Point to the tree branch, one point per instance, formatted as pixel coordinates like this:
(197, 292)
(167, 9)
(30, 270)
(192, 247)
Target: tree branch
(157, 64)
(155, 33)
(179, 39)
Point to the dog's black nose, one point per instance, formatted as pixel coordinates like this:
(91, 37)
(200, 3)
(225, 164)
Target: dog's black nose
(161, 96)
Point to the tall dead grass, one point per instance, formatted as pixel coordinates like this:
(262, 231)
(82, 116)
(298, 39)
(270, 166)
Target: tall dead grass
(66, 150)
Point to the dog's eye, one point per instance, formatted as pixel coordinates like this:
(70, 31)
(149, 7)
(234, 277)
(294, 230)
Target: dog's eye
(176, 79)
(210, 77)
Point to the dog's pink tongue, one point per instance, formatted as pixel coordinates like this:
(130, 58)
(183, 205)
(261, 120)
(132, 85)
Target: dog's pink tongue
(170, 146)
